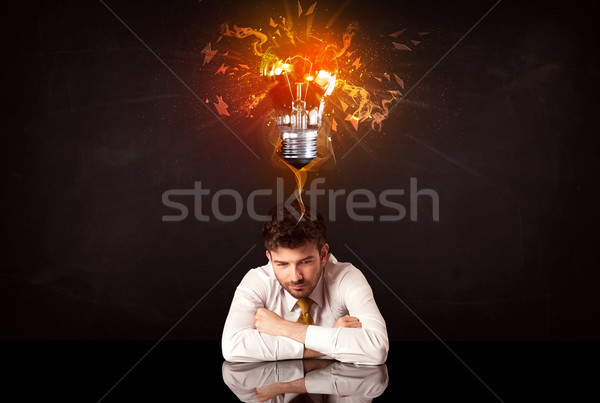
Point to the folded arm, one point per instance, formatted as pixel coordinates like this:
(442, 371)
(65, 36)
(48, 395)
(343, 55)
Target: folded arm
(368, 344)
(242, 342)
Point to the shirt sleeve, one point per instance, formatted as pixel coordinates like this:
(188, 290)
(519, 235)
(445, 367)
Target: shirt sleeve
(367, 345)
(348, 379)
(244, 377)
(240, 341)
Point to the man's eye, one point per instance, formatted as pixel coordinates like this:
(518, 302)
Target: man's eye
(305, 261)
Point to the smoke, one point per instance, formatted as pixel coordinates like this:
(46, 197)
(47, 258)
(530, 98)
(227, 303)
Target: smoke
(376, 109)
(241, 33)
(347, 39)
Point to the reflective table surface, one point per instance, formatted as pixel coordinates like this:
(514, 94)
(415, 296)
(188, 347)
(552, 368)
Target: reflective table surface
(196, 372)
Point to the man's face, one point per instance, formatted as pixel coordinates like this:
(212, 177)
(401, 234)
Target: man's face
(299, 270)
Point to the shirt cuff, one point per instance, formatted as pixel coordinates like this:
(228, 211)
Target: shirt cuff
(288, 349)
(320, 382)
(321, 339)
(289, 370)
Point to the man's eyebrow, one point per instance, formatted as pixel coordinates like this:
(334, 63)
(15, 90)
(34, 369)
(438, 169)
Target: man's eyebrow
(305, 258)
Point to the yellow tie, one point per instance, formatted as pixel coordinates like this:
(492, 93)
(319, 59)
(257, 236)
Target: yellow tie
(305, 304)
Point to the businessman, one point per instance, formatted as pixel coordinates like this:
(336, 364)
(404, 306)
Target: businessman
(303, 303)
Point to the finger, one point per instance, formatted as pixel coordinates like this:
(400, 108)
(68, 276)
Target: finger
(354, 323)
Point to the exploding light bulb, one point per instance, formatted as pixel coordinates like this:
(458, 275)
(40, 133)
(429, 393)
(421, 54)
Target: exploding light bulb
(300, 78)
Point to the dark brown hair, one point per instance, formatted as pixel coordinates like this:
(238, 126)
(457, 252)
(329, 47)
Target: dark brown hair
(291, 226)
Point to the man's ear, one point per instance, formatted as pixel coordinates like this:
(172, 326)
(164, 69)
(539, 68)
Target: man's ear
(324, 252)
(268, 255)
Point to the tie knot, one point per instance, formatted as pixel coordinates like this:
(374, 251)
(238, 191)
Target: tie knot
(305, 304)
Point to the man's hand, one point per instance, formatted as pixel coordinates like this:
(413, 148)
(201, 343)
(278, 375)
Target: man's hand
(268, 392)
(347, 321)
(268, 322)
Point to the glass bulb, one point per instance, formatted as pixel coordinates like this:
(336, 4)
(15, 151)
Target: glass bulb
(300, 78)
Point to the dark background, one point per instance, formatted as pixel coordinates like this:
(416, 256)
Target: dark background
(96, 129)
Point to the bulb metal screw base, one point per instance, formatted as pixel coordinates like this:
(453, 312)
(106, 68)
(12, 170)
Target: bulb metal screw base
(299, 149)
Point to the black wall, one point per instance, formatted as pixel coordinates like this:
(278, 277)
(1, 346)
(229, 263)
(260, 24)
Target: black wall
(96, 129)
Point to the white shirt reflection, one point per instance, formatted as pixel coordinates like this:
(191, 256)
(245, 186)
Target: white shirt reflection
(315, 381)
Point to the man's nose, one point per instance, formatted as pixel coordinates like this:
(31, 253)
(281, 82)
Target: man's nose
(296, 274)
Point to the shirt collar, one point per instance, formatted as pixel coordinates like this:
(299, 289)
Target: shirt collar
(317, 293)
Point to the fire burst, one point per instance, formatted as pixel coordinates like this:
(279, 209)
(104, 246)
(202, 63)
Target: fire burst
(298, 85)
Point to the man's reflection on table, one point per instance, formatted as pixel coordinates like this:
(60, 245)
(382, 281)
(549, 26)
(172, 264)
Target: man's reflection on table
(311, 380)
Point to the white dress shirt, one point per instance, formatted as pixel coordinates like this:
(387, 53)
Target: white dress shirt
(341, 290)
